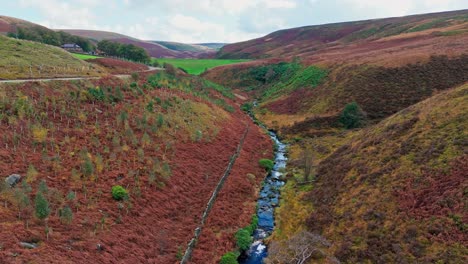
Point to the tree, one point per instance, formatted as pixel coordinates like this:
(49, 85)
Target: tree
(352, 116)
(298, 249)
(66, 215)
(243, 239)
(42, 208)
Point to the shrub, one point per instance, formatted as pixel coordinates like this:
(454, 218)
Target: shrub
(246, 107)
(42, 208)
(97, 94)
(243, 239)
(66, 215)
(266, 164)
(119, 193)
(229, 258)
(352, 116)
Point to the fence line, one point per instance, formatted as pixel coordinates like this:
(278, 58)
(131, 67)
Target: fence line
(191, 245)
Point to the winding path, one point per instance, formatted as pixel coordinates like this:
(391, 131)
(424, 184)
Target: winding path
(121, 76)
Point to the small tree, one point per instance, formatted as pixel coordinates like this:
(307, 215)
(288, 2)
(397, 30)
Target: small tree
(298, 249)
(66, 215)
(229, 258)
(243, 239)
(352, 116)
(42, 208)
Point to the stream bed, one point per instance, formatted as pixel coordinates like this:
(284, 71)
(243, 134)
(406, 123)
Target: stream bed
(268, 200)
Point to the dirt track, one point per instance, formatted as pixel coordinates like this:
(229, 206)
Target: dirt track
(121, 76)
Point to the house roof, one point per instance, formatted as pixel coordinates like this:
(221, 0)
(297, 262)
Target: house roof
(70, 45)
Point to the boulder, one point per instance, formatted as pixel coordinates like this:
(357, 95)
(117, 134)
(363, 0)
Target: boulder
(13, 179)
(28, 245)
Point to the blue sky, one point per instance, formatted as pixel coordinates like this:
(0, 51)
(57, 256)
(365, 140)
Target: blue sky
(210, 20)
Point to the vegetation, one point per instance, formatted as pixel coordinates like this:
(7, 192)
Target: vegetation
(25, 59)
(352, 116)
(47, 36)
(119, 193)
(42, 206)
(195, 66)
(85, 56)
(267, 164)
(243, 239)
(194, 85)
(384, 160)
(230, 258)
(127, 51)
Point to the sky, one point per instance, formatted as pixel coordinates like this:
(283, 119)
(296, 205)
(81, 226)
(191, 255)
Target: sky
(210, 20)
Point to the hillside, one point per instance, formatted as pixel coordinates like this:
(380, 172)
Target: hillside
(96, 35)
(383, 74)
(22, 59)
(388, 187)
(166, 140)
(184, 47)
(341, 41)
(391, 193)
(9, 24)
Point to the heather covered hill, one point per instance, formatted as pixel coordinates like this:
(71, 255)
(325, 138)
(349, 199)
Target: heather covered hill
(166, 140)
(339, 41)
(396, 191)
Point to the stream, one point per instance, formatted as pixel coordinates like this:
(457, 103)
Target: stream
(268, 200)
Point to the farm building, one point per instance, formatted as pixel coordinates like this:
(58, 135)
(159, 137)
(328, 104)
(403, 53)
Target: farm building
(72, 47)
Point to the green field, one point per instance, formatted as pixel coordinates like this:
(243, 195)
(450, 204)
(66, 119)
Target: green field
(85, 56)
(196, 66)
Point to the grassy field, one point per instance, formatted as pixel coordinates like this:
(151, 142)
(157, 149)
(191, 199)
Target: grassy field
(196, 66)
(85, 56)
(20, 59)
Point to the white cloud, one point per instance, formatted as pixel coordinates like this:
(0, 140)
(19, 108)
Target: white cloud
(61, 14)
(212, 20)
(279, 4)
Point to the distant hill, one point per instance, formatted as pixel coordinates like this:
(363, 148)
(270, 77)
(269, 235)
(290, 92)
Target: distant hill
(331, 38)
(96, 35)
(176, 46)
(9, 24)
(215, 46)
(157, 49)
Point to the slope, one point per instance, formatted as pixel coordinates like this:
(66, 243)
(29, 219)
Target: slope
(166, 140)
(154, 48)
(339, 41)
(396, 191)
(21, 59)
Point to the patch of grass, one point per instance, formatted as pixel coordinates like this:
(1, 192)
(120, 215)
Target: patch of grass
(437, 23)
(26, 59)
(85, 56)
(196, 66)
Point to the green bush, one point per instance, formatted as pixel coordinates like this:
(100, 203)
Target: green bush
(42, 208)
(119, 193)
(352, 116)
(243, 239)
(246, 107)
(229, 258)
(97, 94)
(267, 164)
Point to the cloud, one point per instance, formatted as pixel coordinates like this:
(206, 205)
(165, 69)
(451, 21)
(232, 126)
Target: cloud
(211, 20)
(60, 14)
